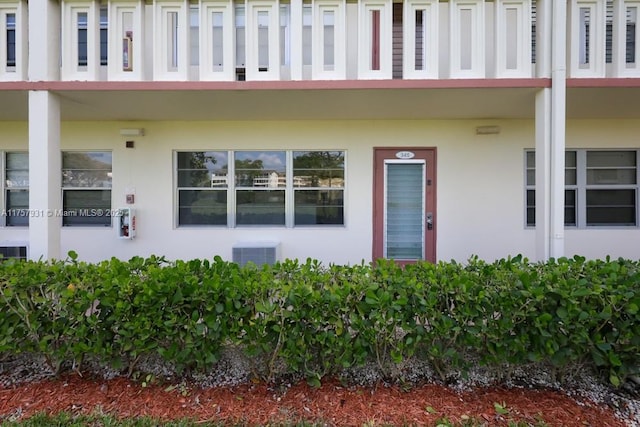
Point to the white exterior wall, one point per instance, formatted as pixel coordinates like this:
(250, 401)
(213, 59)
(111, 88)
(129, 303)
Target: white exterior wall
(481, 199)
(466, 164)
(480, 186)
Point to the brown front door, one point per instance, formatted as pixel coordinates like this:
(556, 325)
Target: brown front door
(404, 204)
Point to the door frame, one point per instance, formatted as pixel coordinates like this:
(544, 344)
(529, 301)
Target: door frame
(380, 154)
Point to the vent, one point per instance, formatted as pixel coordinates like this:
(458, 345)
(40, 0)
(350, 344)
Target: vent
(16, 252)
(258, 253)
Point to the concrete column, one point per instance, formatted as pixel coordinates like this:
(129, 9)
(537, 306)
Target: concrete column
(558, 126)
(45, 198)
(544, 15)
(550, 129)
(296, 39)
(44, 40)
(543, 167)
(44, 132)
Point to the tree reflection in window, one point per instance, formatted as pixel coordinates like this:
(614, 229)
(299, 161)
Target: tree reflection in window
(318, 179)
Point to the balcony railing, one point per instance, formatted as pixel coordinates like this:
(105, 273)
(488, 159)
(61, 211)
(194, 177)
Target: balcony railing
(226, 40)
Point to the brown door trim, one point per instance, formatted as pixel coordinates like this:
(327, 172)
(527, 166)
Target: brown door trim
(380, 154)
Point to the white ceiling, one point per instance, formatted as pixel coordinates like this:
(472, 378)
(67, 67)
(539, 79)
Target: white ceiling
(233, 102)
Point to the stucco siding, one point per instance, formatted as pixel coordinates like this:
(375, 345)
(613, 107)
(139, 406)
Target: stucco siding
(480, 186)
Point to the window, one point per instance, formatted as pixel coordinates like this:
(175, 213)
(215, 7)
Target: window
(11, 39)
(194, 33)
(328, 34)
(534, 34)
(240, 41)
(306, 34)
(601, 188)
(104, 25)
(16, 181)
(82, 39)
(263, 40)
(375, 39)
(630, 34)
(260, 187)
(284, 34)
(268, 188)
(86, 188)
(585, 35)
(172, 41)
(217, 42)
(202, 187)
(318, 181)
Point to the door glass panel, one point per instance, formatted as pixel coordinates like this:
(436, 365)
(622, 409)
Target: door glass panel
(404, 210)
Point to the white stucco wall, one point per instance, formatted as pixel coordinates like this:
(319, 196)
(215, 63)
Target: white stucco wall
(476, 176)
(480, 186)
(481, 191)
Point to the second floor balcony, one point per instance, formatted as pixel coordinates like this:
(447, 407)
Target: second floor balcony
(271, 40)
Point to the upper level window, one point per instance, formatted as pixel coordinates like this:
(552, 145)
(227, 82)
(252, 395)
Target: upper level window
(630, 33)
(240, 35)
(601, 188)
(16, 189)
(86, 188)
(104, 35)
(270, 188)
(82, 39)
(11, 39)
(194, 34)
(285, 19)
(306, 33)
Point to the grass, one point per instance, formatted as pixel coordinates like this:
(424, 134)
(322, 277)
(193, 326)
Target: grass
(65, 419)
(68, 420)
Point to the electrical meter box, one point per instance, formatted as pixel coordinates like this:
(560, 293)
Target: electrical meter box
(126, 223)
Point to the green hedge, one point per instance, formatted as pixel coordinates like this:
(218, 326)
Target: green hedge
(320, 319)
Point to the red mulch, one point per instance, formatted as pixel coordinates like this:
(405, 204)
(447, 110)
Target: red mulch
(333, 404)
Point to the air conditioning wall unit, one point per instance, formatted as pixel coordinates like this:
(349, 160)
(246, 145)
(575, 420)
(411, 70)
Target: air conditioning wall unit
(258, 253)
(10, 251)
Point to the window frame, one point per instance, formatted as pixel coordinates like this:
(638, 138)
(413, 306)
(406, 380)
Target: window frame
(232, 189)
(581, 187)
(91, 212)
